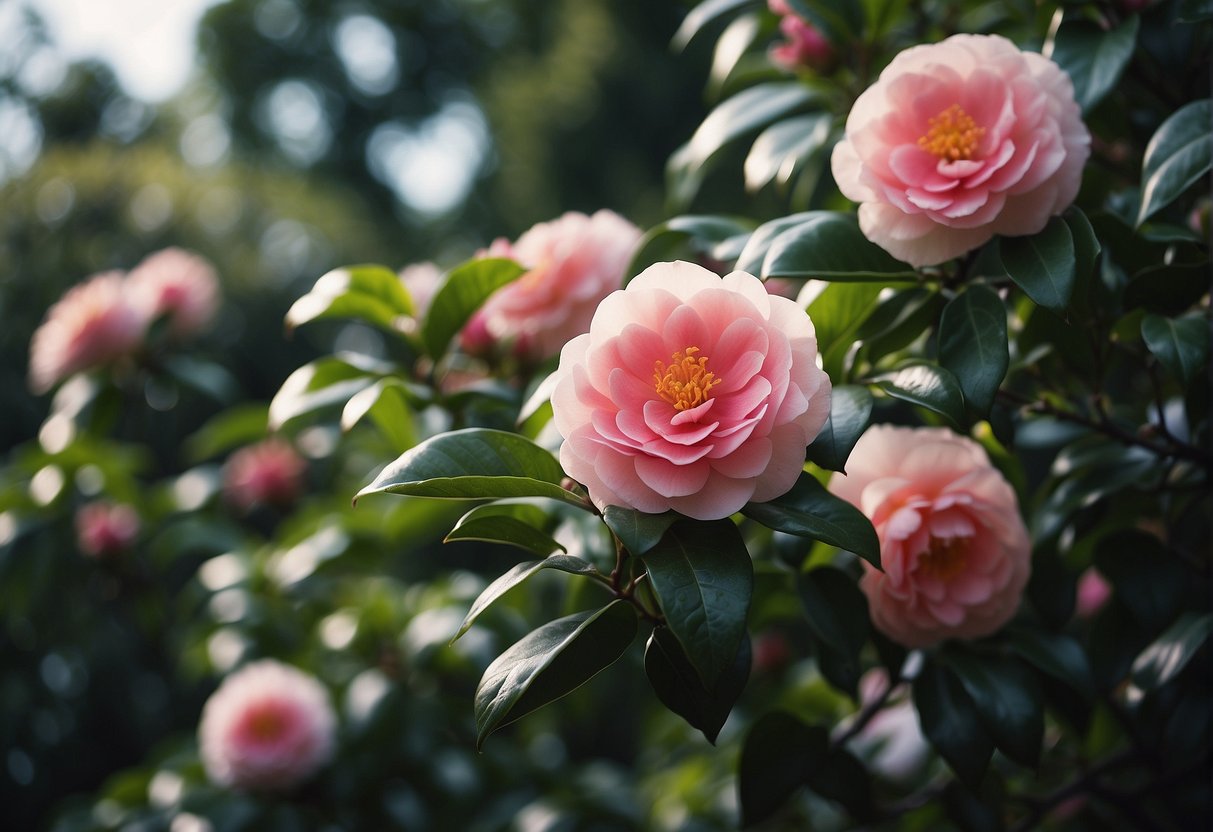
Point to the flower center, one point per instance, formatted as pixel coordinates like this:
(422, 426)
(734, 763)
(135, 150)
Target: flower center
(953, 135)
(266, 724)
(686, 381)
(531, 279)
(944, 558)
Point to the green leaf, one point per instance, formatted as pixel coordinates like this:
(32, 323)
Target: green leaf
(776, 758)
(465, 290)
(1008, 699)
(1145, 575)
(680, 689)
(1094, 59)
(639, 532)
(838, 310)
(850, 411)
(231, 428)
(1179, 154)
(898, 322)
(1056, 654)
(752, 254)
(387, 403)
(836, 609)
(809, 510)
(840, 777)
(374, 294)
(703, 578)
(702, 15)
(782, 147)
(497, 523)
(1171, 652)
(471, 464)
(828, 245)
(551, 662)
(973, 345)
(1195, 11)
(1181, 346)
(324, 383)
(950, 721)
(683, 238)
(1043, 264)
(926, 385)
(516, 575)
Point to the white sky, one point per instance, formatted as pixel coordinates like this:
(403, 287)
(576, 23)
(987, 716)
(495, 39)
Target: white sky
(149, 43)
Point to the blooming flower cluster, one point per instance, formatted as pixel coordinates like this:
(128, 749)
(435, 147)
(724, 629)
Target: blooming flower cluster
(104, 529)
(959, 141)
(106, 318)
(804, 45)
(268, 726)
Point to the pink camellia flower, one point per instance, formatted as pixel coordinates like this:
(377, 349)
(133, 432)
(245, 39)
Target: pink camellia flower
(955, 551)
(805, 45)
(268, 726)
(177, 284)
(574, 262)
(104, 529)
(959, 141)
(690, 392)
(1093, 592)
(268, 473)
(92, 325)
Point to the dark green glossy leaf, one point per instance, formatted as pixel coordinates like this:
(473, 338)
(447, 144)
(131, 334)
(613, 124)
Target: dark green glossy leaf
(511, 524)
(683, 238)
(1171, 652)
(781, 148)
(1042, 264)
(756, 247)
(701, 16)
(324, 383)
(809, 510)
(1168, 289)
(551, 662)
(836, 609)
(973, 345)
(1180, 345)
(475, 463)
(776, 758)
(1179, 154)
(838, 310)
(1008, 699)
(374, 294)
(850, 411)
(703, 578)
(1145, 575)
(926, 385)
(639, 532)
(464, 290)
(517, 574)
(828, 245)
(240, 425)
(840, 777)
(1056, 654)
(1094, 59)
(841, 670)
(899, 321)
(949, 719)
(680, 689)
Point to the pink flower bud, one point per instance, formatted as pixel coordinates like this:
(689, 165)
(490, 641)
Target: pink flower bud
(1093, 592)
(268, 473)
(176, 284)
(105, 529)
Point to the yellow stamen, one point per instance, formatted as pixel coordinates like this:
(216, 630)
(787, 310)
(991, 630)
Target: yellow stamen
(686, 381)
(953, 135)
(944, 558)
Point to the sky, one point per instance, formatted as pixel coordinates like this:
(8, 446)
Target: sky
(149, 43)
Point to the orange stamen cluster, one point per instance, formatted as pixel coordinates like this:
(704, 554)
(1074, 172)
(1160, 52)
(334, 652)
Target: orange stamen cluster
(953, 135)
(944, 558)
(686, 381)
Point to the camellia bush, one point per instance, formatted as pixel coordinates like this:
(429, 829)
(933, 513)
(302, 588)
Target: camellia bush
(874, 481)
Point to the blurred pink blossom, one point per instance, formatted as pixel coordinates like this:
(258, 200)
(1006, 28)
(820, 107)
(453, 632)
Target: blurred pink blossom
(177, 284)
(268, 726)
(958, 141)
(104, 529)
(422, 281)
(268, 473)
(574, 262)
(690, 392)
(804, 44)
(1093, 592)
(892, 741)
(955, 551)
(92, 325)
